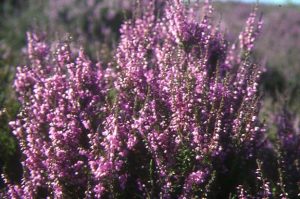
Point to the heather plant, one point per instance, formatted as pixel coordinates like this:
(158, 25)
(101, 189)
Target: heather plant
(280, 78)
(60, 94)
(12, 18)
(195, 107)
(33, 14)
(177, 118)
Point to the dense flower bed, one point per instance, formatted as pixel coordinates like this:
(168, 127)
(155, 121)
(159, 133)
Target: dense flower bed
(176, 118)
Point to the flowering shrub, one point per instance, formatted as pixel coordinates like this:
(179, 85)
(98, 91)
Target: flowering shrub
(176, 118)
(277, 82)
(194, 103)
(59, 95)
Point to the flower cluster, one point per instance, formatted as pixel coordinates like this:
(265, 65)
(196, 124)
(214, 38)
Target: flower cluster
(193, 110)
(179, 120)
(60, 96)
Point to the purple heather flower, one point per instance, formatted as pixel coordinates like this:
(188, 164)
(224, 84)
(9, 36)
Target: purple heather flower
(173, 118)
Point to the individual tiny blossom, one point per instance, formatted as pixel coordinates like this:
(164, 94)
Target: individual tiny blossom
(180, 117)
(242, 194)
